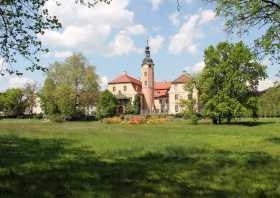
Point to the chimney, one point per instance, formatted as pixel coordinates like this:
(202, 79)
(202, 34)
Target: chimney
(124, 73)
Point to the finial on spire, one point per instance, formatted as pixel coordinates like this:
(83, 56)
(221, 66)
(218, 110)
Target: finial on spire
(147, 59)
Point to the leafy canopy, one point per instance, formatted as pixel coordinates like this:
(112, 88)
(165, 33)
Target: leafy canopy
(70, 86)
(21, 22)
(244, 15)
(13, 102)
(229, 80)
(269, 103)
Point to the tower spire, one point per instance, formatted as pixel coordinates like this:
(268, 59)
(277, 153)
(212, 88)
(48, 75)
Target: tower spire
(147, 60)
(147, 51)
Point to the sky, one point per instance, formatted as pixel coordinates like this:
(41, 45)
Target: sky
(113, 38)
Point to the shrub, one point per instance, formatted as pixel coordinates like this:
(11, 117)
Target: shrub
(38, 116)
(57, 118)
(113, 120)
(194, 119)
(156, 120)
(106, 105)
(136, 120)
(179, 115)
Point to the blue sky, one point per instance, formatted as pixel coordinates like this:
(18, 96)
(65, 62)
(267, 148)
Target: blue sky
(113, 38)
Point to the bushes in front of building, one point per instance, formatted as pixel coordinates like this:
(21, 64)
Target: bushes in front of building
(106, 105)
(136, 119)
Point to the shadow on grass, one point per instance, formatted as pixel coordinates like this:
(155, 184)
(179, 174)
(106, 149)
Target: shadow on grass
(250, 123)
(274, 140)
(54, 168)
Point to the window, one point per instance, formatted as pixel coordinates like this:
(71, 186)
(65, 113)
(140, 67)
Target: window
(124, 88)
(114, 89)
(145, 74)
(160, 101)
(146, 83)
(176, 108)
(176, 96)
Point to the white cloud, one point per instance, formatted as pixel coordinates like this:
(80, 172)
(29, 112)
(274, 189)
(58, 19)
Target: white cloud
(207, 16)
(122, 44)
(156, 43)
(59, 54)
(185, 40)
(174, 18)
(136, 29)
(198, 67)
(90, 29)
(156, 4)
(20, 82)
(265, 84)
(103, 81)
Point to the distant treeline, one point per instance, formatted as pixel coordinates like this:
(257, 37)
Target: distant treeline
(269, 102)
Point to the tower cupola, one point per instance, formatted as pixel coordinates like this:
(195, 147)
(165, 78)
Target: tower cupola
(148, 60)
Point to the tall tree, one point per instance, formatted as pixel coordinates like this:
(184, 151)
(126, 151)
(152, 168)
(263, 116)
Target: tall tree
(245, 15)
(21, 21)
(13, 102)
(70, 86)
(229, 81)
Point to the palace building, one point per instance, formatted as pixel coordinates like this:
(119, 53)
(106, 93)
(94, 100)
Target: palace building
(155, 97)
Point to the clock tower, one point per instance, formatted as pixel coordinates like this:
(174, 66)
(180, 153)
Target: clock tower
(147, 80)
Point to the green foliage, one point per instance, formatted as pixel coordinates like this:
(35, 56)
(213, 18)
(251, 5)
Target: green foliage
(106, 105)
(21, 23)
(57, 118)
(70, 86)
(133, 108)
(269, 103)
(229, 81)
(244, 15)
(13, 102)
(194, 119)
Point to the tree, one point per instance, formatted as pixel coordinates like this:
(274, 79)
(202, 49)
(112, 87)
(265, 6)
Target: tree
(13, 102)
(20, 24)
(269, 102)
(70, 87)
(106, 105)
(244, 15)
(229, 81)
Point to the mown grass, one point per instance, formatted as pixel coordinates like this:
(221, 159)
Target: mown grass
(176, 159)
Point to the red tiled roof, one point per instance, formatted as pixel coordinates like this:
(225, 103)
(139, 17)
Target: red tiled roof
(184, 78)
(162, 85)
(160, 93)
(124, 78)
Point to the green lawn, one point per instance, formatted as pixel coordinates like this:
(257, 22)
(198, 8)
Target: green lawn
(176, 159)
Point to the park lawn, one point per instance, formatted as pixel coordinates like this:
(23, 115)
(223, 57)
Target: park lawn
(175, 159)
